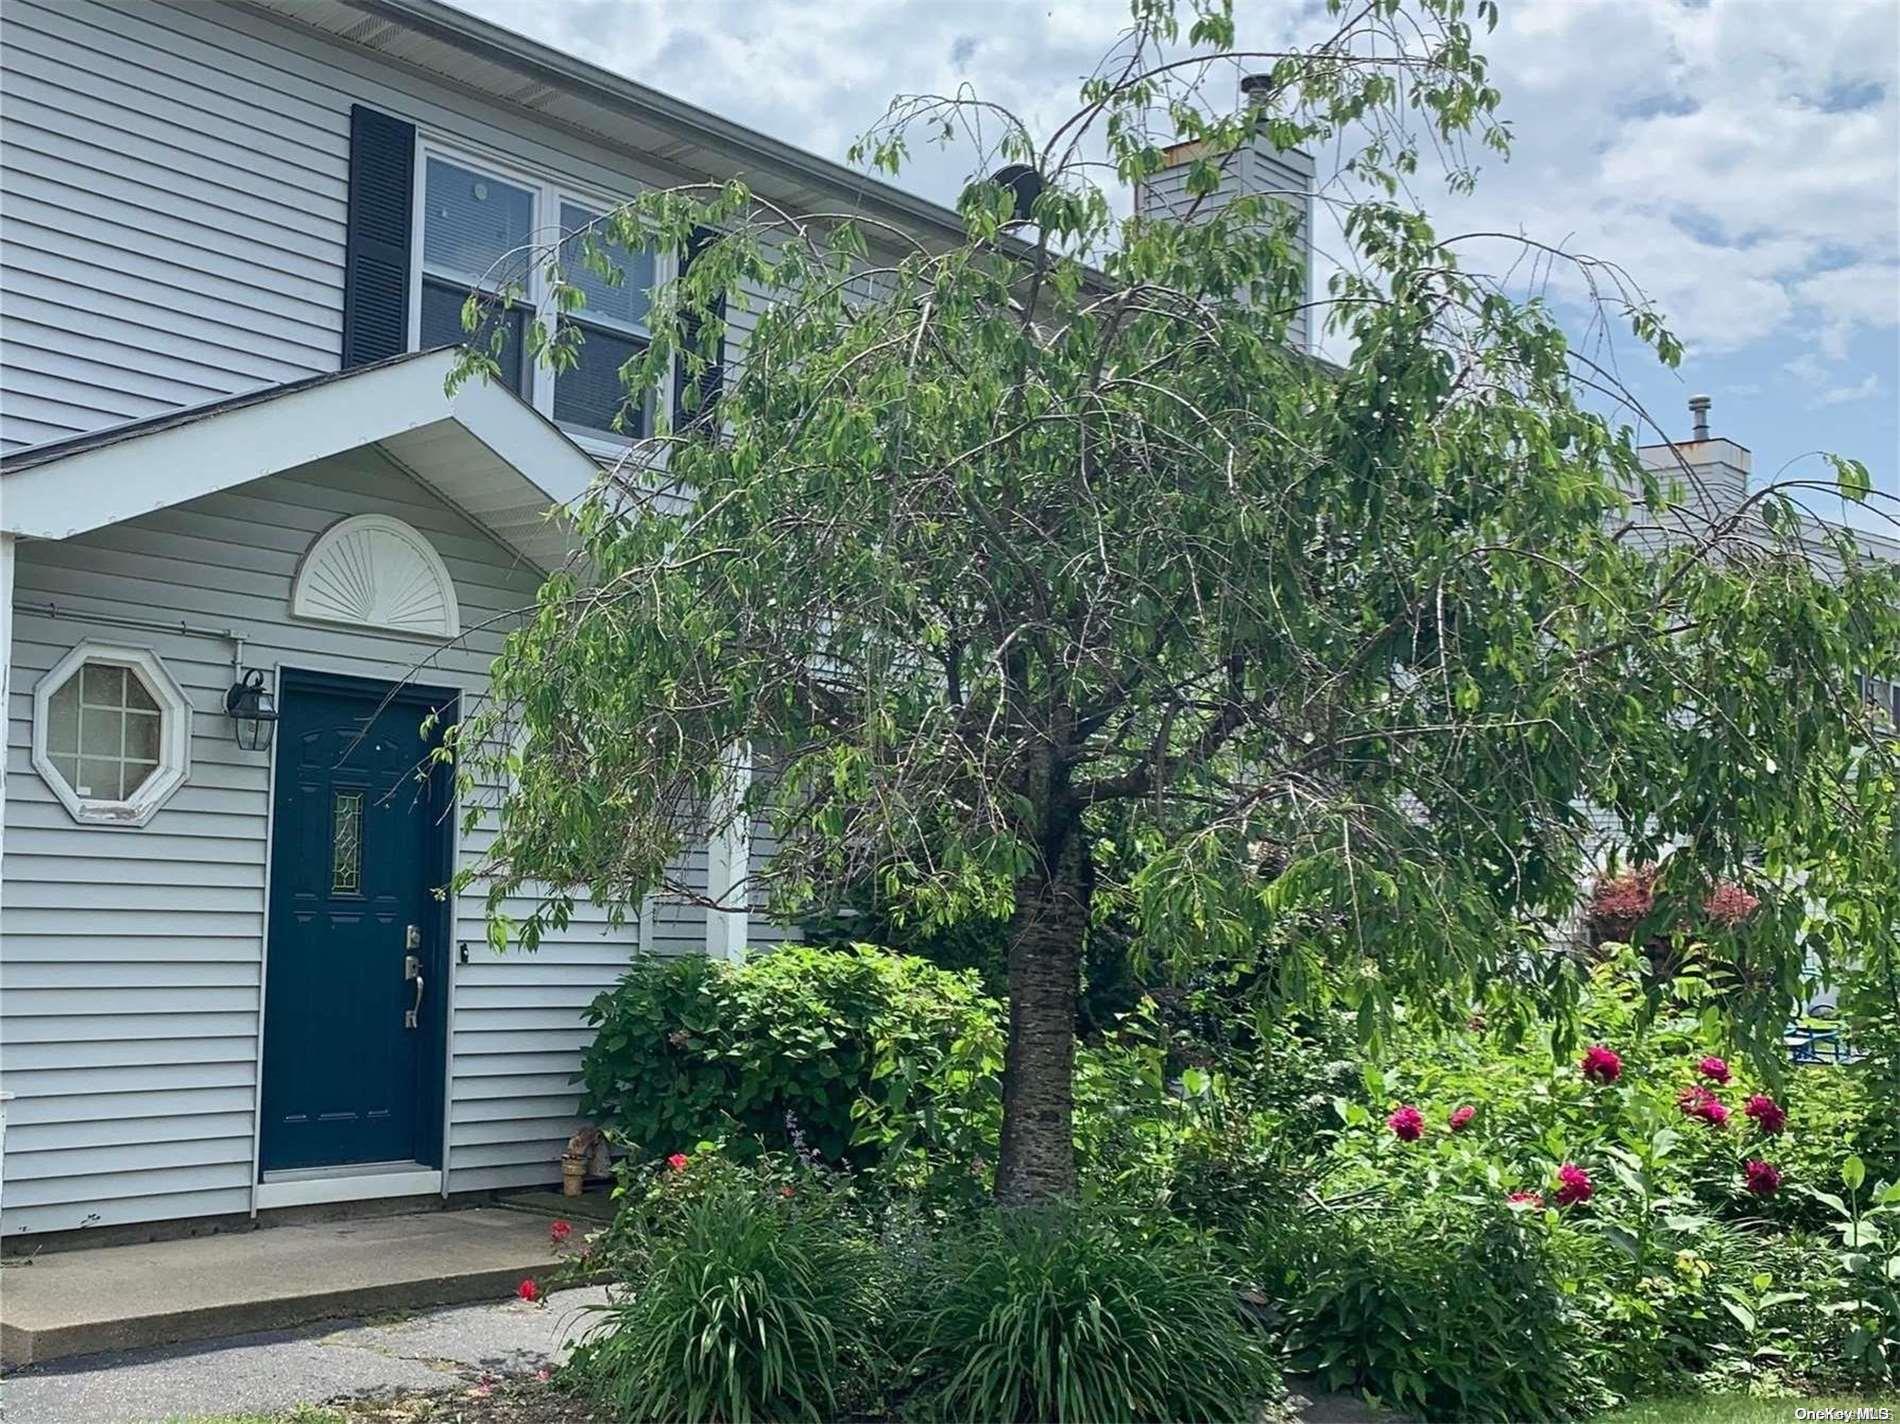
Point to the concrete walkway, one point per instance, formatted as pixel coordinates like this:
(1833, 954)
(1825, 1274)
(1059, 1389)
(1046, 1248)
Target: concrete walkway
(65, 1303)
(268, 1373)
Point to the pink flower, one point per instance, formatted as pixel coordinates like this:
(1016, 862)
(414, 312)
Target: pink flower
(1601, 1065)
(1761, 1178)
(1728, 904)
(1573, 1185)
(785, 1192)
(1461, 1117)
(1769, 1115)
(1714, 1069)
(559, 1231)
(1699, 1102)
(1530, 1199)
(678, 1161)
(528, 1290)
(1407, 1124)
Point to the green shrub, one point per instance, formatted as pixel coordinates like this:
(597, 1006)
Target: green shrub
(751, 1299)
(1065, 1314)
(1439, 1306)
(857, 1054)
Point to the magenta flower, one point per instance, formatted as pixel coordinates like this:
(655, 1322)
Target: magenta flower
(1407, 1124)
(1761, 1178)
(1530, 1199)
(1699, 1102)
(1714, 1069)
(1601, 1065)
(1461, 1117)
(1573, 1185)
(1769, 1115)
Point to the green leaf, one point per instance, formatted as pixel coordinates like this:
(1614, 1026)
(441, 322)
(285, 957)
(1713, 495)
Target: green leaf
(1851, 477)
(1853, 1173)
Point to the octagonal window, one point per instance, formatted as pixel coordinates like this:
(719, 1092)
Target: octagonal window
(111, 733)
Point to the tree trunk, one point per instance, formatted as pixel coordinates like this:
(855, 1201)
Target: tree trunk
(1037, 1159)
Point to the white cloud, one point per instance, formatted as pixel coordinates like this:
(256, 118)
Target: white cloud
(1741, 159)
(1841, 395)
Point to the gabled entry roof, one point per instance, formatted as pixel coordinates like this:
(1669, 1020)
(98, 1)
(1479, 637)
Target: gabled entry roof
(483, 449)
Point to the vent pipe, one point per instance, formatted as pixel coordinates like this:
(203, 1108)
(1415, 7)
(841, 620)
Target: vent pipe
(1699, 408)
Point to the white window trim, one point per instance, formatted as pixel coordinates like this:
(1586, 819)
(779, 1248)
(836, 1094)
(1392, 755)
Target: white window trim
(549, 194)
(174, 736)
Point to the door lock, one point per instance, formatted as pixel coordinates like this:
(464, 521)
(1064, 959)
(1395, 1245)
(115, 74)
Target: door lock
(412, 970)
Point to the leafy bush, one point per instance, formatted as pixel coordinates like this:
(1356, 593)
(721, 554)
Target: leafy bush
(1069, 1314)
(752, 1299)
(860, 1054)
(1866, 1279)
(1445, 1307)
(1700, 1256)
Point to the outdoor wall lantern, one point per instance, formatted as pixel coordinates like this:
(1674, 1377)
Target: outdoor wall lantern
(254, 711)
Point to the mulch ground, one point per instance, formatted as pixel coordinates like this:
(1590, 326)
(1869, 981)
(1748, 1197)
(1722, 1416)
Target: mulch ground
(512, 1401)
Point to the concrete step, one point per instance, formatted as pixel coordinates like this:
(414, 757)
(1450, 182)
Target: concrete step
(595, 1206)
(125, 1297)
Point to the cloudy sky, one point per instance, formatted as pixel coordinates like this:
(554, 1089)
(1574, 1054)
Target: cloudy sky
(1741, 158)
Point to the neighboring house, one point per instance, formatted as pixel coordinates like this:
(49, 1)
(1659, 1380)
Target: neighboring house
(229, 475)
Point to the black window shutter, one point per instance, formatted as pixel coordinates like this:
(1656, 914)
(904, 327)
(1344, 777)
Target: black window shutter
(700, 411)
(376, 249)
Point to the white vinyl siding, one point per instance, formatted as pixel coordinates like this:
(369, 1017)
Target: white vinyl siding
(175, 182)
(1287, 177)
(131, 983)
(173, 186)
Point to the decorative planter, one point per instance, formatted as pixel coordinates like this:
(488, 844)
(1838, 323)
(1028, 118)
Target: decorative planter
(573, 1173)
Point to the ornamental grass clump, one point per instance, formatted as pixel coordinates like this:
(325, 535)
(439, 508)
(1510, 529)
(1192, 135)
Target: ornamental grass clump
(748, 1302)
(1066, 1314)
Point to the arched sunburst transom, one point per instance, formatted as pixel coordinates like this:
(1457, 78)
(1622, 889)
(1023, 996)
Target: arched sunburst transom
(373, 571)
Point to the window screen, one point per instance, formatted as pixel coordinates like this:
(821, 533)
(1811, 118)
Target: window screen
(442, 326)
(623, 303)
(590, 393)
(474, 226)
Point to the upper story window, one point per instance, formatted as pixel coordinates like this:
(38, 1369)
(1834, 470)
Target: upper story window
(613, 323)
(475, 234)
(479, 229)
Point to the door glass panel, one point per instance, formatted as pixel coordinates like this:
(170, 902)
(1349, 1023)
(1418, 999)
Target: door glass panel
(346, 844)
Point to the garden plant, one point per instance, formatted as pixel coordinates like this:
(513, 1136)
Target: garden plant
(1476, 802)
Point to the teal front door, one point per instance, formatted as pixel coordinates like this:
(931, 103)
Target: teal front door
(355, 969)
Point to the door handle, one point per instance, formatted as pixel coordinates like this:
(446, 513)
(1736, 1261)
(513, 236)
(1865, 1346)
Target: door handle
(412, 970)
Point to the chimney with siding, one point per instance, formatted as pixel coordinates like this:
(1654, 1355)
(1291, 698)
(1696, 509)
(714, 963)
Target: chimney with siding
(1285, 175)
(1714, 470)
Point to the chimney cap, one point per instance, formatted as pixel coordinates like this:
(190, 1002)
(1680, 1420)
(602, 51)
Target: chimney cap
(1255, 87)
(1699, 408)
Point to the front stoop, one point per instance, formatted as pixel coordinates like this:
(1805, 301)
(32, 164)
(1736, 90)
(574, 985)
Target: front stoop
(125, 1297)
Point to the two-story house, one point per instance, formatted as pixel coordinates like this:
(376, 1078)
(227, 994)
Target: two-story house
(247, 542)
